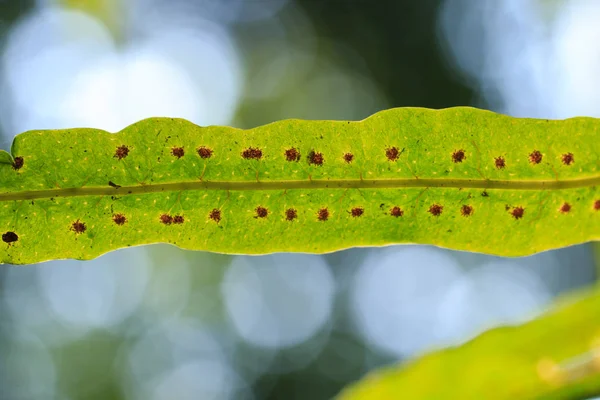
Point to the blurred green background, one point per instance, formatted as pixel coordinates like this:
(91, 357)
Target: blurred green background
(156, 322)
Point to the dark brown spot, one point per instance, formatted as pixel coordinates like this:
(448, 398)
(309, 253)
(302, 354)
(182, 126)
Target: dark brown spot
(178, 219)
(18, 163)
(261, 212)
(565, 208)
(290, 214)
(215, 215)
(323, 214)
(484, 194)
(292, 155)
(252, 153)
(204, 152)
(568, 158)
(348, 157)
(436, 209)
(396, 212)
(392, 153)
(78, 227)
(122, 152)
(315, 158)
(518, 212)
(535, 157)
(500, 162)
(597, 205)
(177, 152)
(9, 237)
(166, 219)
(119, 219)
(466, 210)
(458, 156)
(357, 211)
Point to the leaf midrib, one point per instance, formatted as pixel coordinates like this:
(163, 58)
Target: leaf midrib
(306, 184)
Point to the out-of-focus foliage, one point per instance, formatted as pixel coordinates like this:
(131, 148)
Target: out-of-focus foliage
(556, 356)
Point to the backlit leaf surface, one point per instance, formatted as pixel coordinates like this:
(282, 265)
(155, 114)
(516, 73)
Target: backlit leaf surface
(459, 178)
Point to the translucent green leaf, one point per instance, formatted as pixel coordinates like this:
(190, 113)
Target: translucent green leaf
(5, 158)
(554, 357)
(460, 178)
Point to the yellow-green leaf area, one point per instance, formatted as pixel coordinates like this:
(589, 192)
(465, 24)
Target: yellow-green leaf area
(556, 356)
(460, 178)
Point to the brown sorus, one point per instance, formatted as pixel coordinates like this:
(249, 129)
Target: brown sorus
(291, 214)
(166, 219)
(204, 152)
(466, 210)
(518, 212)
(215, 215)
(315, 158)
(78, 227)
(323, 214)
(436, 209)
(17, 163)
(392, 153)
(458, 156)
(568, 158)
(177, 152)
(535, 157)
(396, 211)
(121, 152)
(357, 211)
(119, 219)
(500, 162)
(292, 154)
(9, 237)
(261, 212)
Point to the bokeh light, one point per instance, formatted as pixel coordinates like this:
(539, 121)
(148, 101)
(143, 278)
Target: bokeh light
(157, 322)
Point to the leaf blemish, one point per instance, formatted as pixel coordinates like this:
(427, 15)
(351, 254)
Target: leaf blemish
(166, 219)
(252, 153)
(396, 212)
(290, 214)
(500, 162)
(18, 163)
(392, 153)
(565, 208)
(121, 152)
(292, 155)
(436, 209)
(215, 215)
(78, 227)
(458, 156)
(484, 194)
(119, 219)
(177, 152)
(315, 158)
(597, 205)
(9, 237)
(518, 212)
(535, 157)
(357, 211)
(178, 219)
(348, 157)
(261, 212)
(568, 158)
(323, 214)
(204, 152)
(466, 210)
